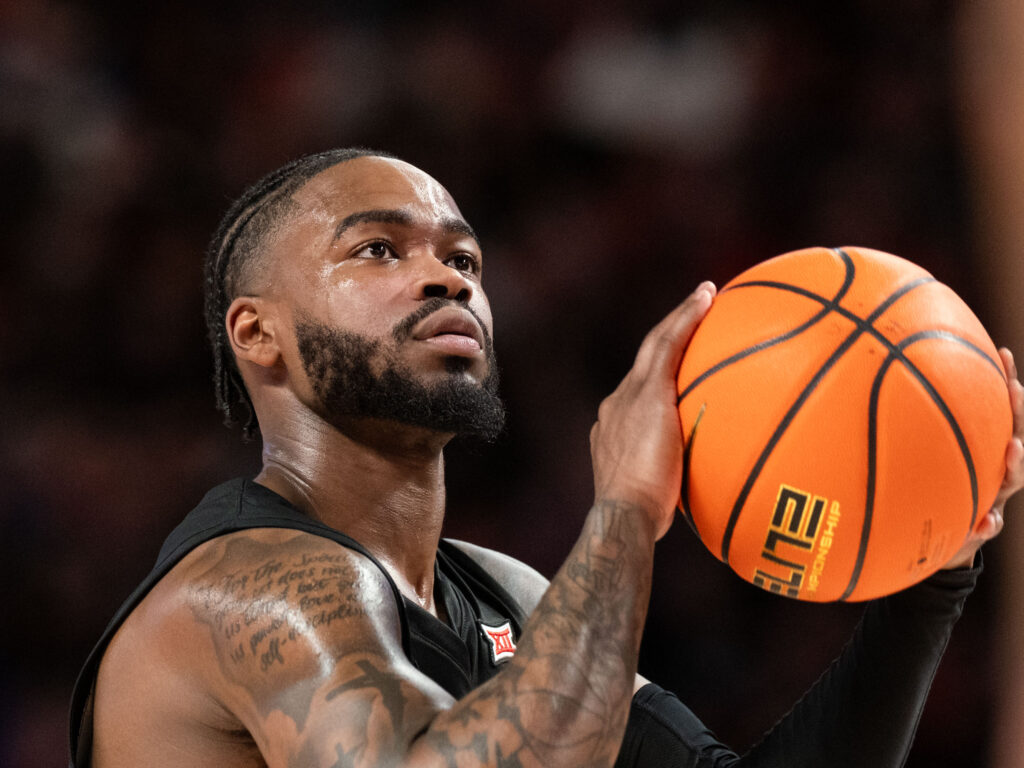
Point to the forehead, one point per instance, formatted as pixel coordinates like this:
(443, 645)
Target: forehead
(372, 183)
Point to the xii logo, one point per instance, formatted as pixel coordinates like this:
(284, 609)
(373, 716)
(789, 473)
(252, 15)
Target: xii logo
(503, 646)
(790, 540)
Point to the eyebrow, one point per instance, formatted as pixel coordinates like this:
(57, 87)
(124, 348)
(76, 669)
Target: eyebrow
(450, 225)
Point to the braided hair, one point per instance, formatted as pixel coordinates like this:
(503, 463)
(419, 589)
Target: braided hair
(232, 258)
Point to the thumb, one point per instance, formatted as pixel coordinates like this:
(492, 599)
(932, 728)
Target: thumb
(662, 349)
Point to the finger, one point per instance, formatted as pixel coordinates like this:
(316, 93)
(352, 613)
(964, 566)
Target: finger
(990, 526)
(662, 348)
(1013, 481)
(1009, 365)
(1016, 391)
(1017, 405)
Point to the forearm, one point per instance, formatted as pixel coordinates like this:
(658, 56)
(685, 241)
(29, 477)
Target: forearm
(862, 712)
(564, 698)
(865, 709)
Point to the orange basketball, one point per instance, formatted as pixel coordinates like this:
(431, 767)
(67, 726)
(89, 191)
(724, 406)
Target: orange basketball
(846, 418)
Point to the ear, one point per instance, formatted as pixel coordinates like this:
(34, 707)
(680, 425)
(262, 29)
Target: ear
(251, 325)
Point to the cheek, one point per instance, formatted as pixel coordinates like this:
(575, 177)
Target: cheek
(363, 306)
(482, 310)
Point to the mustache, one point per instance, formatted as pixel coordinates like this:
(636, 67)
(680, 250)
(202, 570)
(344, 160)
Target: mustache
(403, 329)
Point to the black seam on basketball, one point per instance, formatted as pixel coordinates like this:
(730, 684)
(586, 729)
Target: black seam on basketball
(869, 492)
(864, 323)
(954, 425)
(950, 336)
(828, 306)
(684, 491)
(946, 411)
(862, 326)
(790, 414)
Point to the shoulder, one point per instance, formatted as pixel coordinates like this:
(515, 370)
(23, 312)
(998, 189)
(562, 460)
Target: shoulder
(274, 633)
(287, 583)
(521, 581)
(258, 611)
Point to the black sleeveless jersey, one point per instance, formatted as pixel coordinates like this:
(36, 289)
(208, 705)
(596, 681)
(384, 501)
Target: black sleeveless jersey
(485, 621)
(862, 712)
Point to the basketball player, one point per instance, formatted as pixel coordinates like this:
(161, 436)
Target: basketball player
(312, 616)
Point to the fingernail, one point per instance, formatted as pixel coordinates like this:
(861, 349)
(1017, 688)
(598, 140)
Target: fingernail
(707, 286)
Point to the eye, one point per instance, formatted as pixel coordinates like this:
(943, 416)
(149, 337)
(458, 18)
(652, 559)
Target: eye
(464, 262)
(376, 249)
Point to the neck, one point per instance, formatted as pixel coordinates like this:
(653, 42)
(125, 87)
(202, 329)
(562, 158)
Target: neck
(381, 484)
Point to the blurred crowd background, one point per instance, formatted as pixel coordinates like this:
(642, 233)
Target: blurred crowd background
(611, 155)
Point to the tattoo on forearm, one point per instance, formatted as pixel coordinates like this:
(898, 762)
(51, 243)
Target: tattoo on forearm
(600, 568)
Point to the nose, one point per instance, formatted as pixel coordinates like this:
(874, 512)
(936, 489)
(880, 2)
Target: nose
(437, 280)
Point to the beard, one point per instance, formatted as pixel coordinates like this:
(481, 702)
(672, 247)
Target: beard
(356, 377)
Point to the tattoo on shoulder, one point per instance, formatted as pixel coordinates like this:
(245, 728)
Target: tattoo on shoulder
(258, 598)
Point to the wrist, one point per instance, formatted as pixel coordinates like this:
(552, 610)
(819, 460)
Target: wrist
(634, 512)
(964, 562)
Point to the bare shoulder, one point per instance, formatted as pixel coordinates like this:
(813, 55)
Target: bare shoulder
(524, 583)
(278, 579)
(242, 636)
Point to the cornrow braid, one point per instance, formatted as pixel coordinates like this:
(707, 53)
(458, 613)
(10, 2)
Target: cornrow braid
(235, 247)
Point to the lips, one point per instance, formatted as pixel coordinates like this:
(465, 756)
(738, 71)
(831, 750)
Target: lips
(450, 324)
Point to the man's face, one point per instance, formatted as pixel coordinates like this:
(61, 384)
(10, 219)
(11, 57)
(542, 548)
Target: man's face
(380, 278)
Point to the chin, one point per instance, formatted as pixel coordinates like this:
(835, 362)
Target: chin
(477, 369)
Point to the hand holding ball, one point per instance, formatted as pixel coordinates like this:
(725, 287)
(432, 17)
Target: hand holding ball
(846, 419)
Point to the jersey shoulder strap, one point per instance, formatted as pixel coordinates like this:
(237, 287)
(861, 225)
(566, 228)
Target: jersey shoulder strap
(233, 506)
(488, 594)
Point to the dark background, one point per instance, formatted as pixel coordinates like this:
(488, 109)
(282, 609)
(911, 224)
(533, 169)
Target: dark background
(611, 156)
